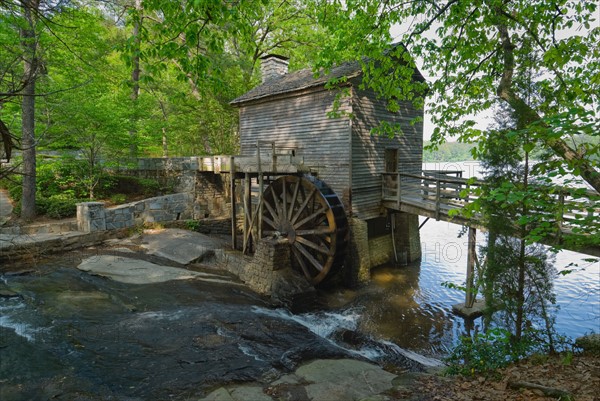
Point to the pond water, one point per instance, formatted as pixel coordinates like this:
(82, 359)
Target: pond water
(410, 307)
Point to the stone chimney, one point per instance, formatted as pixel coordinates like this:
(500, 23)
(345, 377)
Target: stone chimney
(273, 66)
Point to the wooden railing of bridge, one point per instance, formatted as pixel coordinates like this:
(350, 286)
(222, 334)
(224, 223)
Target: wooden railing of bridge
(435, 194)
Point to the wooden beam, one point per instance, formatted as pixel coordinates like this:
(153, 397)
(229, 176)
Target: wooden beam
(471, 259)
(233, 206)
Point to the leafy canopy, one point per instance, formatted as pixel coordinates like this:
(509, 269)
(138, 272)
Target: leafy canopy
(471, 52)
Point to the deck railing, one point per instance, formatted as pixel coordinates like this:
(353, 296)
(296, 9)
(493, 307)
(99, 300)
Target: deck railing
(436, 191)
(440, 192)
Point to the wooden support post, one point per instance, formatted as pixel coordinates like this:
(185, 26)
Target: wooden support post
(471, 260)
(248, 218)
(233, 206)
(398, 178)
(260, 194)
(437, 199)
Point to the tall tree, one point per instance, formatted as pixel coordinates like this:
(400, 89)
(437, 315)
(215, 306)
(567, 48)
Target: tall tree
(137, 20)
(31, 61)
(472, 50)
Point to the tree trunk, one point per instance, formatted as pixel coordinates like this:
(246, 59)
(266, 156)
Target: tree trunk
(520, 319)
(30, 66)
(135, 78)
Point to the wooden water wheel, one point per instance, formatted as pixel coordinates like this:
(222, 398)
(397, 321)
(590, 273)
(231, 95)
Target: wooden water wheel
(312, 217)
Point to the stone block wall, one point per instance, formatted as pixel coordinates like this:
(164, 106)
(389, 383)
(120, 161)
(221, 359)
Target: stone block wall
(358, 260)
(381, 250)
(178, 172)
(212, 195)
(408, 238)
(270, 255)
(93, 216)
(211, 190)
(269, 273)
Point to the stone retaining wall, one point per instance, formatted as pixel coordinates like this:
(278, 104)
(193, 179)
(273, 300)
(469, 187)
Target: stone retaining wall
(176, 172)
(211, 191)
(93, 216)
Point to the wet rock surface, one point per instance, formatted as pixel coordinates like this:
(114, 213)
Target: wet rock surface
(133, 322)
(71, 335)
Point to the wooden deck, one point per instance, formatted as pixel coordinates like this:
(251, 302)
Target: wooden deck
(267, 159)
(443, 196)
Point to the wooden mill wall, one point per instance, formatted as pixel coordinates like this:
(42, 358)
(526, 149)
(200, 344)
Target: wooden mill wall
(368, 150)
(300, 121)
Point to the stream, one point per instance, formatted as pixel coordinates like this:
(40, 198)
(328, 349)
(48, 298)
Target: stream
(71, 335)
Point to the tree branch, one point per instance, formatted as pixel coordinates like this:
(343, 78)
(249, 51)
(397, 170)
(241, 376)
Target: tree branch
(527, 116)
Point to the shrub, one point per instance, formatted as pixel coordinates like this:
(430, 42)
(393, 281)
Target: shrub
(117, 199)
(487, 352)
(60, 207)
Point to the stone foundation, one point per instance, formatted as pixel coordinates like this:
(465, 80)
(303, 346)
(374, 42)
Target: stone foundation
(407, 236)
(269, 272)
(381, 250)
(211, 191)
(358, 261)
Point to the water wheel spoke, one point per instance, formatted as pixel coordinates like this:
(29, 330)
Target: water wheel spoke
(316, 247)
(303, 205)
(313, 261)
(284, 200)
(271, 211)
(316, 231)
(275, 222)
(301, 262)
(269, 232)
(294, 197)
(277, 204)
(311, 217)
(270, 223)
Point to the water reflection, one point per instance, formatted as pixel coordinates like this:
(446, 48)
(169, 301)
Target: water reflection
(411, 307)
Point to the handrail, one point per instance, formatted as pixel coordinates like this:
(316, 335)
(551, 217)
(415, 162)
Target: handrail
(440, 194)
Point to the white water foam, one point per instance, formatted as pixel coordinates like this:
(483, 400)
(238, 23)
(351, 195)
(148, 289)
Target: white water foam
(324, 324)
(248, 351)
(8, 310)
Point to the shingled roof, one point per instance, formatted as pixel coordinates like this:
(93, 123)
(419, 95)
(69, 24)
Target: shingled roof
(298, 80)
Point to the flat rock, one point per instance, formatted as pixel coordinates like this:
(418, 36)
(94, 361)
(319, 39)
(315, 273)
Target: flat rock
(319, 380)
(181, 246)
(344, 379)
(135, 271)
(471, 313)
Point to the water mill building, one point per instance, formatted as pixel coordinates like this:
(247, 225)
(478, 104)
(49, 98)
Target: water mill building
(288, 116)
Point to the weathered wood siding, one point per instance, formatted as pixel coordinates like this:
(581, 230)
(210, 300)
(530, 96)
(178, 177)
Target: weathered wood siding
(301, 122)
(368, 151)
